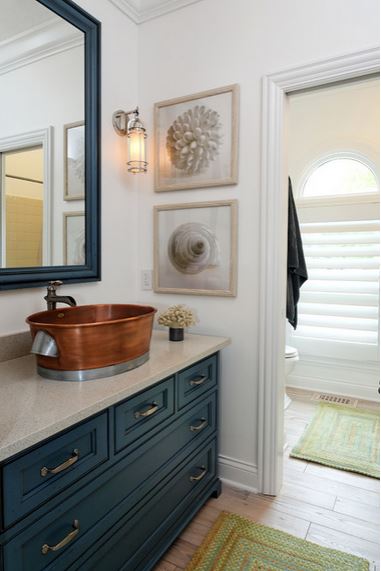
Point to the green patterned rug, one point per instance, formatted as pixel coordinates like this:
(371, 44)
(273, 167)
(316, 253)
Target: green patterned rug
(344, 438)
(237, 544)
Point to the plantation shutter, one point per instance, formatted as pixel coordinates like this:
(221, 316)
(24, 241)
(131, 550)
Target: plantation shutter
(340, 300)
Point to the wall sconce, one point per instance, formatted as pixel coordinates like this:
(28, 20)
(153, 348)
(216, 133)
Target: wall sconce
(128, 123)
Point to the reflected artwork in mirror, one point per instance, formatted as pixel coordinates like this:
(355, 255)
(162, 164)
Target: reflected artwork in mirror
(49, 143)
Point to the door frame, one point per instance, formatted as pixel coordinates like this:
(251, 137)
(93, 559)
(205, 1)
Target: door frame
(273, 251)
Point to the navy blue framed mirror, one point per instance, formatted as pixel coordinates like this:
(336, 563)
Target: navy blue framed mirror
(49, 144)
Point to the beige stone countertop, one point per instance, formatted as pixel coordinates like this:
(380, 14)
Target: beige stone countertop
(33, 408)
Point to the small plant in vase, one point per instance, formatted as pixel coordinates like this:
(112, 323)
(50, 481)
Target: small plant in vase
(177, 317)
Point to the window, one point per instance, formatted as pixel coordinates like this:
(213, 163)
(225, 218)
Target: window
(338, 308)
(340, 176)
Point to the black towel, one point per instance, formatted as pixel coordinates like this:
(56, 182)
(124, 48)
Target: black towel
(296, 265)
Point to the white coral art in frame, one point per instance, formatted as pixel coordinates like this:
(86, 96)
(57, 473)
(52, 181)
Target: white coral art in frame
(194, 138)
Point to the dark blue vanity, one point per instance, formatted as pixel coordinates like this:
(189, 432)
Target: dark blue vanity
(114, 491)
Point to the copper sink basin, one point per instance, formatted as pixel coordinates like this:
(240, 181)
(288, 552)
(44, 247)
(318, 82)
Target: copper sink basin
(91, 341)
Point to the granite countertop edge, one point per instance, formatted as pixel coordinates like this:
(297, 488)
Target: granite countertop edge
(14, 446)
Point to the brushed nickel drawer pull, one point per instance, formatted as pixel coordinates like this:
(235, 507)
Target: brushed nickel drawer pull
(143, 414)
(70, 536)
(200, 476)
(69, 462)
(200, 426)
(198, 380)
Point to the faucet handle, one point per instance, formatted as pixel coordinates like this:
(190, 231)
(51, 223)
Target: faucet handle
(54, 284)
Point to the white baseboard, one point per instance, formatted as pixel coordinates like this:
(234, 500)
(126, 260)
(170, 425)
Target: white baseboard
(238, 473)
(336, 377)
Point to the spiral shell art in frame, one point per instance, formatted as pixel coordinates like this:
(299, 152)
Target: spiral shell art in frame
(193, 248)
(194, 139)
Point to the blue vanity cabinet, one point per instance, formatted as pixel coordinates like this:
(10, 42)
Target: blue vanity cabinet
(115, 491)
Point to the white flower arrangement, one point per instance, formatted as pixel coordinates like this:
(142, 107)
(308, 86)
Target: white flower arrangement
(178, 316)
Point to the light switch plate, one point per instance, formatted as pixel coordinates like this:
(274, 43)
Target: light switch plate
(146, 280)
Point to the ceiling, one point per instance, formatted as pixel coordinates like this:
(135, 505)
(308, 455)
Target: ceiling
(30, 14)
(21, 16)
(143, 10)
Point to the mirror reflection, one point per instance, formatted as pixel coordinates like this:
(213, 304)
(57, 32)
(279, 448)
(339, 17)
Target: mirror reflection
(42, 138)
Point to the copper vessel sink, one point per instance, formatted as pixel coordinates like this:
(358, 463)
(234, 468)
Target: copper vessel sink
(91, 341)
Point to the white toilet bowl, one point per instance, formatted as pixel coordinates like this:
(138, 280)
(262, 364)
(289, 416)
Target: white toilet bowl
(291, 357)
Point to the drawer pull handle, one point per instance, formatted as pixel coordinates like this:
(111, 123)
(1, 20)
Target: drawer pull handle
(200, 476)
(69, 462)
(148, 412)
(70, 536)
(198, 380)
(200, 426)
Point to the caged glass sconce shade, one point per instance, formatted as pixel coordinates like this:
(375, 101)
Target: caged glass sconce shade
(129, 124)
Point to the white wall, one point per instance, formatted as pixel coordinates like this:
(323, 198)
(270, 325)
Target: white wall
(337, 118)
(210, 44)
(119, 90)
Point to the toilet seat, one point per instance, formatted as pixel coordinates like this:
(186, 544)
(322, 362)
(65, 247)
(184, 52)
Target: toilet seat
(290, 352)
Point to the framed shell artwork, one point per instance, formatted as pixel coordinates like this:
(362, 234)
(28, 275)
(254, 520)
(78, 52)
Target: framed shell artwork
(196, 140)
(195, 248)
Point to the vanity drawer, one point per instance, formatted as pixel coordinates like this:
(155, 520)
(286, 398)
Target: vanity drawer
(58, 539)
(138, 415)
(42, 473)
(195, 380)
(130, 541)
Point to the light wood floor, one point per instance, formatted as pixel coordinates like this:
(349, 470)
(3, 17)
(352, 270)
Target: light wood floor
(326, 506)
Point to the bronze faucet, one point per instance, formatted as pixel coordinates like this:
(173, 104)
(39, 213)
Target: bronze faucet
(52, 298)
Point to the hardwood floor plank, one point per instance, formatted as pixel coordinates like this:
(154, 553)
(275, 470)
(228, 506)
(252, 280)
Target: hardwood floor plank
(261, 512)
(343, 542)
(321, 516)
(294, 463)
(308, 495)
(165, 566)
(334, 487)
(195, 532)
(180, 553)
(357, 480)
(361, 511)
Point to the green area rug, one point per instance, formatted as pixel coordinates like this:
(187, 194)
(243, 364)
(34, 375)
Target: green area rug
(237, 544)
(344, 438)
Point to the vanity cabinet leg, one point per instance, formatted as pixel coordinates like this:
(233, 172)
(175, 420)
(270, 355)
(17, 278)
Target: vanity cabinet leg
(217, 490)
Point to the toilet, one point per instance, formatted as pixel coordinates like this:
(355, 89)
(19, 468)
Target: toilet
(291, 358)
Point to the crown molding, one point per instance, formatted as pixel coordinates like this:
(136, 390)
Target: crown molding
(138, 14)
(37, 43)
(128, 8)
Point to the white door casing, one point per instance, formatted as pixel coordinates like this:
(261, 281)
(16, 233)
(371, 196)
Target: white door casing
(273, 252)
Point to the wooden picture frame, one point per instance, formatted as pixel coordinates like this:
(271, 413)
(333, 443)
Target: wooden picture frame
(74, 176)
(195, 248)
(74, 240)
(213, 120)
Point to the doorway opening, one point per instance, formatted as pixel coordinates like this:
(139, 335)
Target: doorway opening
(273, 270)
(333, 150)
(22, 207)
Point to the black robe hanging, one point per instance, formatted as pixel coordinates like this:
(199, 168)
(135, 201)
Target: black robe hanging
(296, 265)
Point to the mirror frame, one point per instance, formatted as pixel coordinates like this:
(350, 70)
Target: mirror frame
(14, 278)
